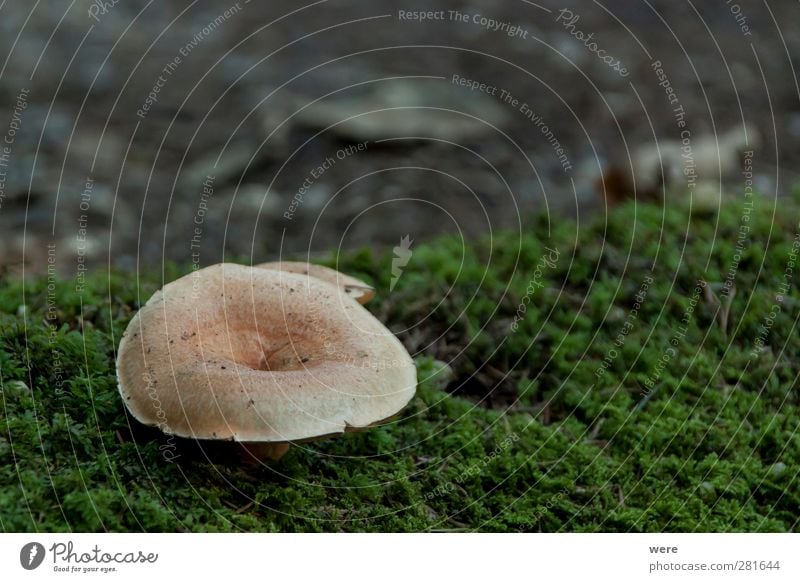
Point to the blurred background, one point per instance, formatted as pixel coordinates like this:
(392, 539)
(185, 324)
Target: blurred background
(136, 132)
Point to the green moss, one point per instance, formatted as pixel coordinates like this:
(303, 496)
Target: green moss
(603, 410)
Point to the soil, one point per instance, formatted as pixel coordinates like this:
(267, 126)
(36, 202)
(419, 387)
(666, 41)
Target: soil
(122, 112)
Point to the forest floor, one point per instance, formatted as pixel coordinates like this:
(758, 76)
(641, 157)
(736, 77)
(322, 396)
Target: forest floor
(635, 373)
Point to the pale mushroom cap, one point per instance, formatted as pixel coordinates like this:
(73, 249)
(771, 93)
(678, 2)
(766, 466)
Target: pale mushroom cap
(258, 355)
(356, 288)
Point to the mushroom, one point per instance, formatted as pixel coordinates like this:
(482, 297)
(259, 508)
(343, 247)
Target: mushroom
(260, 356)
(356, 288)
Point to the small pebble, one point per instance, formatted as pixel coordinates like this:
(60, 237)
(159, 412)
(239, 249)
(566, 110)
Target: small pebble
(778, 469)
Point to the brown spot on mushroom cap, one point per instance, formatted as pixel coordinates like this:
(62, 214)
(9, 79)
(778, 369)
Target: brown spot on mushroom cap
(356, 288)
(296, 365)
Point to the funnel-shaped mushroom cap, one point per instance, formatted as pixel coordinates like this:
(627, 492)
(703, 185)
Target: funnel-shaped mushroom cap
(260, 355)
(356, 288)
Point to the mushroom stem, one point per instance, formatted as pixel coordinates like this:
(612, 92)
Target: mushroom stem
(263, 451)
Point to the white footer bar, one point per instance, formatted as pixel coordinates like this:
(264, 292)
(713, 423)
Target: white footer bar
(401, 557)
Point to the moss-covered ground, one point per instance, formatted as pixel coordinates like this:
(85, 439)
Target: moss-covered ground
(649, 382)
